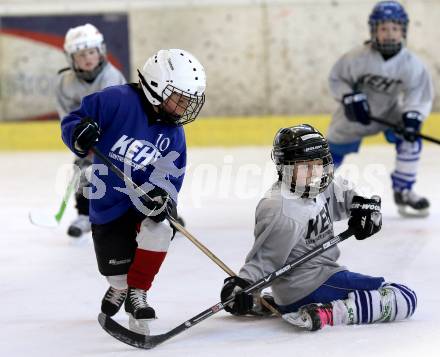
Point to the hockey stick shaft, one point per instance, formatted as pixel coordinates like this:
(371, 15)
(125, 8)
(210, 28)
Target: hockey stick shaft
(399, 130)
(69, 190)
(174, 222)
(217, 261)
(51, 219)
(148, 342)
(263, 282)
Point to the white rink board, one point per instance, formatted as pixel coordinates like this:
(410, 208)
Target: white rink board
(51, 288)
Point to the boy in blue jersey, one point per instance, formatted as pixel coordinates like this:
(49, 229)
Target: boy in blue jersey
(139, 127)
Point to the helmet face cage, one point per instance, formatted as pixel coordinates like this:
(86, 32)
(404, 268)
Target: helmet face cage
(307, 178)
(388, 11)
(83, 38)
(90, 75)
(179, 107)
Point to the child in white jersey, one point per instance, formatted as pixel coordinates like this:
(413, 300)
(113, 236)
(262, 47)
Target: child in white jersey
(88, 72)
(383, 79)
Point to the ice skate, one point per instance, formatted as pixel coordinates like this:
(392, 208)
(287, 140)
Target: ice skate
(138, 310)
(79, 226)
(113, 300)
(311, 317)
(409, 204)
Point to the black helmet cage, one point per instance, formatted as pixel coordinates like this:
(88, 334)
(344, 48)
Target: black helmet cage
(194, 103)
(387, 48)
(292, 154)
(388, 11)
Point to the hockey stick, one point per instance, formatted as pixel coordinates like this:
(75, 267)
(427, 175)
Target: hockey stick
(175, 223)
(401, 130)
(171, 219)
(147, 342)
(44, 219)
(398, 129)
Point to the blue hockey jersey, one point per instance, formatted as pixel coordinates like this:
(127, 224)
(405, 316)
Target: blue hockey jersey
(150, 152)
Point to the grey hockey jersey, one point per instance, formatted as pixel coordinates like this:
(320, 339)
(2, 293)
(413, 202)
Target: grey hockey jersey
(69, 89)
(286, 228)
(400, 84)
(403, 77)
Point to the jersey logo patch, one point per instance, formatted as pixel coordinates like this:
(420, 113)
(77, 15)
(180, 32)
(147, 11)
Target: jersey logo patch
(319, 225)
(379, 83)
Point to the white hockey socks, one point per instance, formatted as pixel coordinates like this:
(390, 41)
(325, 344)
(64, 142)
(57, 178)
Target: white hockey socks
(407, 161)
(118, 282)
(391, 302)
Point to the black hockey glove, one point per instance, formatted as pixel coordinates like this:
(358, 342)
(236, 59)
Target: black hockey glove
(85, 135)
(243, 303)
(356, 107)
(160, 204)
(412, 122)
(365, 219)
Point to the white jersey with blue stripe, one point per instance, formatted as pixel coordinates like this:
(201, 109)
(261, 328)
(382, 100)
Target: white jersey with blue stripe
(394, 86)
(402, 79)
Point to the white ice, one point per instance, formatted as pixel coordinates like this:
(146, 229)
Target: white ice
(50, 288)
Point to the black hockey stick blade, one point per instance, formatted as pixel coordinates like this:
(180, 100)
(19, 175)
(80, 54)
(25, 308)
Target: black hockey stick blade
(129, 337)
(148, 342)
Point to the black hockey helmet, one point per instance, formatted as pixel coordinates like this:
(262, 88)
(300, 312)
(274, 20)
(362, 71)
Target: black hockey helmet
(303, 160)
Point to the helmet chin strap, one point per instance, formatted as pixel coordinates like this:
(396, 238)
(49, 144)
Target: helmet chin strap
(164, 116)
(388, 49)
(168, 117)
(89, 76)
(150, 90)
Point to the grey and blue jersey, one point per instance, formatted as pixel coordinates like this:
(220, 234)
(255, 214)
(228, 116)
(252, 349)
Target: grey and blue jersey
(286, 228)
(394, 86)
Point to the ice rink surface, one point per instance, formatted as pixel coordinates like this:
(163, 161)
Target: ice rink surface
(51, 289)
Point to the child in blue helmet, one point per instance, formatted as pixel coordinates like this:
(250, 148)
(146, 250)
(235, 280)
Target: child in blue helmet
(383, 79)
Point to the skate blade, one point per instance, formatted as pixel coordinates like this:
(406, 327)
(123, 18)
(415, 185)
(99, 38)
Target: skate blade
(408, 212)
(140, 326)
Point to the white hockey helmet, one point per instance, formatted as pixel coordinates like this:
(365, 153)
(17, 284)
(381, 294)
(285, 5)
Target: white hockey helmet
(174, 71)
(83, 37)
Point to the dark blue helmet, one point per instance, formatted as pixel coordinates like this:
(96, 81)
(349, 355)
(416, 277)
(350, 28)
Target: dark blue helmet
(388, 11)
(385, 11)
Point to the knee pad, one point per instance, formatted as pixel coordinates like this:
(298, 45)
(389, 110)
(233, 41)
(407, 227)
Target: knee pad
(408, 150)
(154, 236)
(398, 302)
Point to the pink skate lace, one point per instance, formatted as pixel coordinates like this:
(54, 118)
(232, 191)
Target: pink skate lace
(325, 315)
